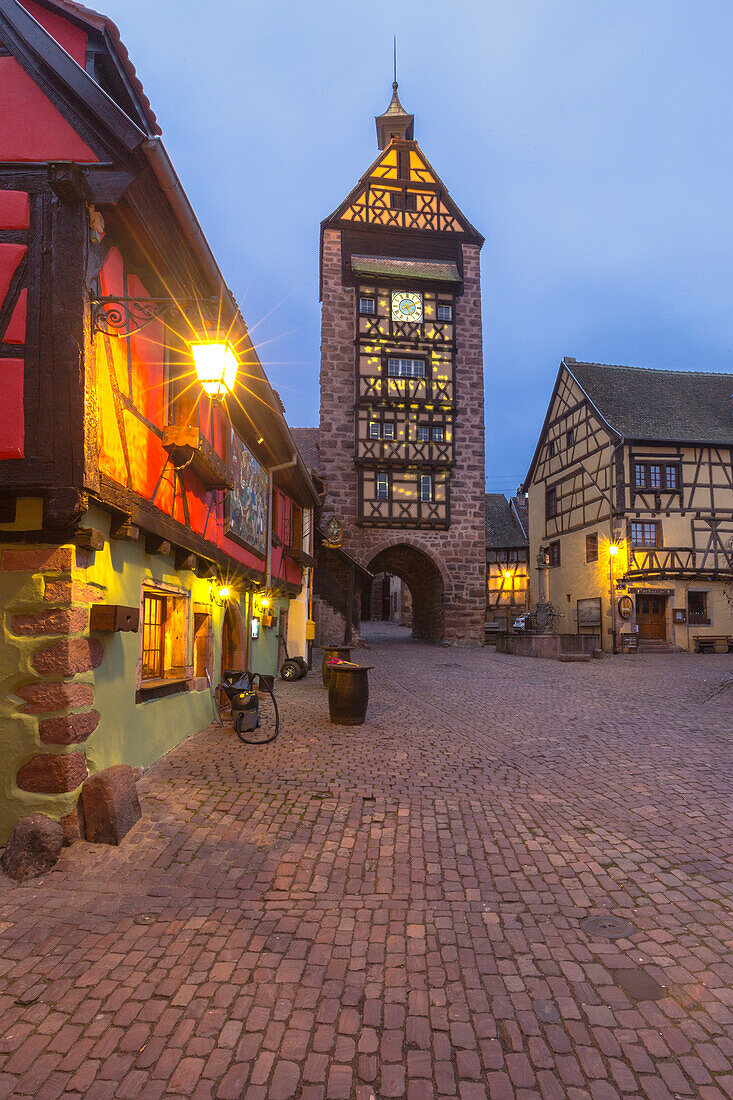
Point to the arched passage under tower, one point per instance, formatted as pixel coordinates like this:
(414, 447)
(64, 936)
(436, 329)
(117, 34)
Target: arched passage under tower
(425, 581)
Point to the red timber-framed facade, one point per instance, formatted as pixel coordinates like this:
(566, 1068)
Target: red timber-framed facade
(143, 526)
(401, 437)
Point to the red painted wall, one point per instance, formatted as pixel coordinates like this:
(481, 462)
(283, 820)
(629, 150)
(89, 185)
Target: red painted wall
(31, 129)
(13, 215)
(131, 454)
(71, 37)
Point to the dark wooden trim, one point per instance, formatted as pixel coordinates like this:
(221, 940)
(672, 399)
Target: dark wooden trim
(159, 690)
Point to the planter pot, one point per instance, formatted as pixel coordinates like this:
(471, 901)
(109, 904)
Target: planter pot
(341, 651)
(348, 694)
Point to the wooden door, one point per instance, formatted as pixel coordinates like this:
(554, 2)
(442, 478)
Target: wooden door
(651, 616)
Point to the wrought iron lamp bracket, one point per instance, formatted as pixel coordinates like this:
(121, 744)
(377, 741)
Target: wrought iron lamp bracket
(125, 316)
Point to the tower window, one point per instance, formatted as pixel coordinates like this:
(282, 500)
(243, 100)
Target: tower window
(445, 313)
(374, 429)
(426, 487)
(388, 430)
(423, 433)
(367, 305)
(406, 368)
(438, 433)
(403, 200)
(382, 487)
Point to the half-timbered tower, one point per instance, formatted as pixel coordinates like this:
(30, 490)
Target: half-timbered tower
(631, 505)
(402, 400)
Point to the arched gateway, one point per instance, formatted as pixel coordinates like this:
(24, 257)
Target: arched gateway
(401, 439)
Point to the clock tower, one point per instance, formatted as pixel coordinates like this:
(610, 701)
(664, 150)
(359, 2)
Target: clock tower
(402, 398)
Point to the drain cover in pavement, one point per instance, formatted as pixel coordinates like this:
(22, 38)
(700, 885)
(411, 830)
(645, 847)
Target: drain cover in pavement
(144, 918)
(638, 985)
(609, 927)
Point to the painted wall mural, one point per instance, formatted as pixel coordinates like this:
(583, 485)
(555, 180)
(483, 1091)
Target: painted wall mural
(246, 514)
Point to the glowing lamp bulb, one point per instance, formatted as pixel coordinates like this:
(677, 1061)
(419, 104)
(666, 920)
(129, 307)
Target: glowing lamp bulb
(264, 604)
(507, 575)
(216, 367)
(613, 550)
(224, 592)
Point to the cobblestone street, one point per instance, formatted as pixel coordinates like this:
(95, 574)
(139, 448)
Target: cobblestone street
(397, 909)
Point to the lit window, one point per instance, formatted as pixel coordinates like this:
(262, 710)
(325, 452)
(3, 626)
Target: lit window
(164, 641)
(438, 433)
(388, 431)
(153, 637)
(426, 487)
(367, 305)
(646, 534)
(423, 433)
(445, 313)
(406, 368)
(382, 487)
(374, 429)
(591, 547)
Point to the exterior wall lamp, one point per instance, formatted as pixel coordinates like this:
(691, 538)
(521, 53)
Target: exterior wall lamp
(219, 593)
(216, 366)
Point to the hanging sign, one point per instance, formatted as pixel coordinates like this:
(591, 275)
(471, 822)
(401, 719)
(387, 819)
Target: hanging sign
(626, 607)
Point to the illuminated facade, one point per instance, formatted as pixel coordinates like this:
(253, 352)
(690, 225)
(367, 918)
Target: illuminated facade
(402, 424)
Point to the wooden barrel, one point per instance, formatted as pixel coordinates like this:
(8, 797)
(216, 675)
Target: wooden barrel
(348, 694)
(343, 652)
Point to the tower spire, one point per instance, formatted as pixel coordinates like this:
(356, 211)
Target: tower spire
(395, 122)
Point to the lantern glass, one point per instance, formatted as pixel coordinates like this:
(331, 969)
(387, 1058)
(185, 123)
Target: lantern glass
(216, 367)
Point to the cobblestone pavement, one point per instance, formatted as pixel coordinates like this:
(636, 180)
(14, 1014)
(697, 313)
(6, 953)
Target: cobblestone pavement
(397, 909)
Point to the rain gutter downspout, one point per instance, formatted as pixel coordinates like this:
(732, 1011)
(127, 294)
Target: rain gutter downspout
(293, 461)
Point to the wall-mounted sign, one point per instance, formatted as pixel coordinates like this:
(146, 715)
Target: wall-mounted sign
(626, 607)
(334, 534)
(589, 612)
(679, 614)
(246, 502)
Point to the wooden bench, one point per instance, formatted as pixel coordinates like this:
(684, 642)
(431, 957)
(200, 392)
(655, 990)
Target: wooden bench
(712, 643)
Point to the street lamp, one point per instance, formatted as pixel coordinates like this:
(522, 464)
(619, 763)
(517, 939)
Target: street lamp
(216, 366)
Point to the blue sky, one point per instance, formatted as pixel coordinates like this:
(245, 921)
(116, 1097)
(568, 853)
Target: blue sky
(588, 140)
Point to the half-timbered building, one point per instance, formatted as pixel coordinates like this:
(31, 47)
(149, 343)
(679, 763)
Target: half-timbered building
(151, 529)
(402, 425)
(507, 568)
(631, 505)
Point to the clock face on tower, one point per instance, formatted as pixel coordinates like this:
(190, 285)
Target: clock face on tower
(406, 306)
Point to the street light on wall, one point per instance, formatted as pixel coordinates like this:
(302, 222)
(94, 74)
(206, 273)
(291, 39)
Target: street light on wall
(216, 366)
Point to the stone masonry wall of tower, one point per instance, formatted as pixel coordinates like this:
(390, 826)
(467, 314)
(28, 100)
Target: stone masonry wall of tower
(445, 568)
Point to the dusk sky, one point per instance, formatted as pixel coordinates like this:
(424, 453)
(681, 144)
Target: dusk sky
(588, 140)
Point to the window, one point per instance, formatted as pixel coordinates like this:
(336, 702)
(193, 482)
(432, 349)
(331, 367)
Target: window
(591, 547)
(423, 433)
(551, 448)
(367, 305)
(570, 437)
(551, 502)
(652, 475)
(554, 553)
(374, 429)
(426, 487)
(382, 487)
(697, 608)
(399, 200)
(406, 368)
(646, 534)
(201, 643)
(153, 637)
(445, 313)
(438, 433)
(388, 430)
(164, 641)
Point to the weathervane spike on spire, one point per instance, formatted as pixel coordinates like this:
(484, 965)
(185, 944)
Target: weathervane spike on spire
(396, 122)
(394, 58)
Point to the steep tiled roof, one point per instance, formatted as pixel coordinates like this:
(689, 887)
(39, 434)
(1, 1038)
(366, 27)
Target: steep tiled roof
(685, 406)
(502, 528)
(306, 440)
